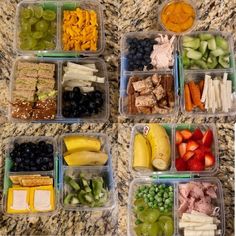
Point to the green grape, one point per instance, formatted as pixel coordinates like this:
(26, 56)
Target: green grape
(169, 228)
(52, 29)
(38, 11)
(26, 27)
(41, 25)
(37, 35)
(32, 42)
(49, 15)
(50, 45)
(33, 20)
(23, 35)
(24, 45)
(48, 37)
(40, 45)
(26, 13)
(155, 229)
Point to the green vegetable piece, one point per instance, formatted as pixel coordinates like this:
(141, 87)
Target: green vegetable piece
(212, 62)
(49, 15)
(194, 44)
(74, 184)
(169, 228)
(155, 229)
(222, 43)
(68, 198)
(205, 36)
(81, 197)
(218, 52)
(88, 189)
(97, 184)
(194, 55)
(88, 197)
(187, 39)
(201, 64)
(74, 201)
(103, 198)
(224, 61)
(26, 13)
(84, 182)
(212, 44)
(41, 25)
(203, 47)
(186, 61)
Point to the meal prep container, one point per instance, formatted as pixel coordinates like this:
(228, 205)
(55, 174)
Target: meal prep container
(171, 129)
(59, 7)
(175, 183)
(89, 171)
(53, 173)
(125, 74)
(100, 64)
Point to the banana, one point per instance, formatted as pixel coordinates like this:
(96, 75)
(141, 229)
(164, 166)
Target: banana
(160, 145)
(81, 143)
(142, 153)
(86, 158)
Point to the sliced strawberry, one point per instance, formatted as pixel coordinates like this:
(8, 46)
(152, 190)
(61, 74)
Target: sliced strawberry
(199, 155)
(207, 138)
(187, 134)
(204, 149)
(192, 145)
(180, 164)
(195, 165)
(209, 159)
(178, 137)
(182, 149)
(197, 134)
(188, 155)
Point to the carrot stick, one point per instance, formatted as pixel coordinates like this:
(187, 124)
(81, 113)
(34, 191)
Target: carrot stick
(201, 85)
(196, 94)
(187, 96)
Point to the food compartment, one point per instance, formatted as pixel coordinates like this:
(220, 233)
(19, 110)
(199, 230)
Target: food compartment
(151, 149)
(151, 207)
(82, 27)
(30, 176)
(207, 50)
(144, 51)
(34, 90)
(87, 189)
(149, 94)
(84, 90)
(85, 149)
(36, 26)
(208, 93)
(200, 205)
(196, 149)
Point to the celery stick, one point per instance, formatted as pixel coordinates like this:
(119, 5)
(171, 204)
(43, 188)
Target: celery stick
(222, 43)
(194, 55)
(205, 36)
(194, 44)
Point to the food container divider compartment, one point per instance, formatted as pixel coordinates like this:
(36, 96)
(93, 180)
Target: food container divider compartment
(53, 173)
(219, 201)
(137, 182)
(59, 6)
(225, 35)
(141, 35)
(123, 92)
(12, 84)
(167, 2)
(139, 128)
(90, 171)
(197, 75)
(102, 72)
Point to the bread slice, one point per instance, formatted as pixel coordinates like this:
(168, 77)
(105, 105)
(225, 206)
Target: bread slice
(39, 181)
(15, 179)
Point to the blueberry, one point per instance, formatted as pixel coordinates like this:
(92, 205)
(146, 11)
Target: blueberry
(66, 96)
(33, 168)
(14, 168)
(132, 51)
(99, 102)
(32, 163)
(39, 160)
(49, 148)
(50, 165)
(44, 167)
(18, 160)
(150, 67)
(13, 154)
(45, 160)
(76, 89)
(16, 145)
(26, 168)
(41, 144)
(139, 55)
(26, 161)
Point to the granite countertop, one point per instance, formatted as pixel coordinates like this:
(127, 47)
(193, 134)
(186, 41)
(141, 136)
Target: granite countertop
(131, 15)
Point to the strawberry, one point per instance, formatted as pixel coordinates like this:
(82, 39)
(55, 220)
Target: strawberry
(197, 135)
(209, 159)
(188, 155)
(199, 155)
(204, 149)
(180, 164)
(207, 138)
(178, 137)
(187, 134)
(192, 145)
(182, 149)
(195, 165)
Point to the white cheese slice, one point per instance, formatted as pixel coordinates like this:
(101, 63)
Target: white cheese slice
(81, 67)
(199, 233)
(19, 200)
(196, 218)
(42, 200)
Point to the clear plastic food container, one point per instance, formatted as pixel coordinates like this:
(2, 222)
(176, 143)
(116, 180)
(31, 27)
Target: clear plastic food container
(58, 7)
(196, 76)
(102, 116)
(52, 173)
(172, 181)
(105, 172)
(171, 129)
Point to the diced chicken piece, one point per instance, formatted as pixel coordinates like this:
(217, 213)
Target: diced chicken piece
(183, 207)
(211, 192)
(191, 202)
(196, 191)
(185, 189)
(144, 110)
(130, 88)
(131, 104)
(144, 84)
(159, 92)
(156, 79)
(146, 91)
(145, 101)
(204, 207)
(169, 82)
(159, 110)
(171, 98)
(162, 103)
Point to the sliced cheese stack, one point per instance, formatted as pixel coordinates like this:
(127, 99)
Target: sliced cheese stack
(82, 76)
(198, 224)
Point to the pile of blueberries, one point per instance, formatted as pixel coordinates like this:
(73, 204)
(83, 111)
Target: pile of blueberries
(77, 104)
(31, 156)
(139, 52)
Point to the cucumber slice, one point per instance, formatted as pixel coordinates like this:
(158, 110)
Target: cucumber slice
(194, 55)
(201, 64)
(194, 44)
(224, 62)
(205, 36)
(74, 200)
(218, 52)
(222, 43)
(212, 44)
(74, 185)
(68, 198)
(212, 62)
(187, 39)
(203, 46)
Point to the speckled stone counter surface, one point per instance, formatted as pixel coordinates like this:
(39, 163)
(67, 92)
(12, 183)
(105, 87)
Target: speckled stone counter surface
(131, 15)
